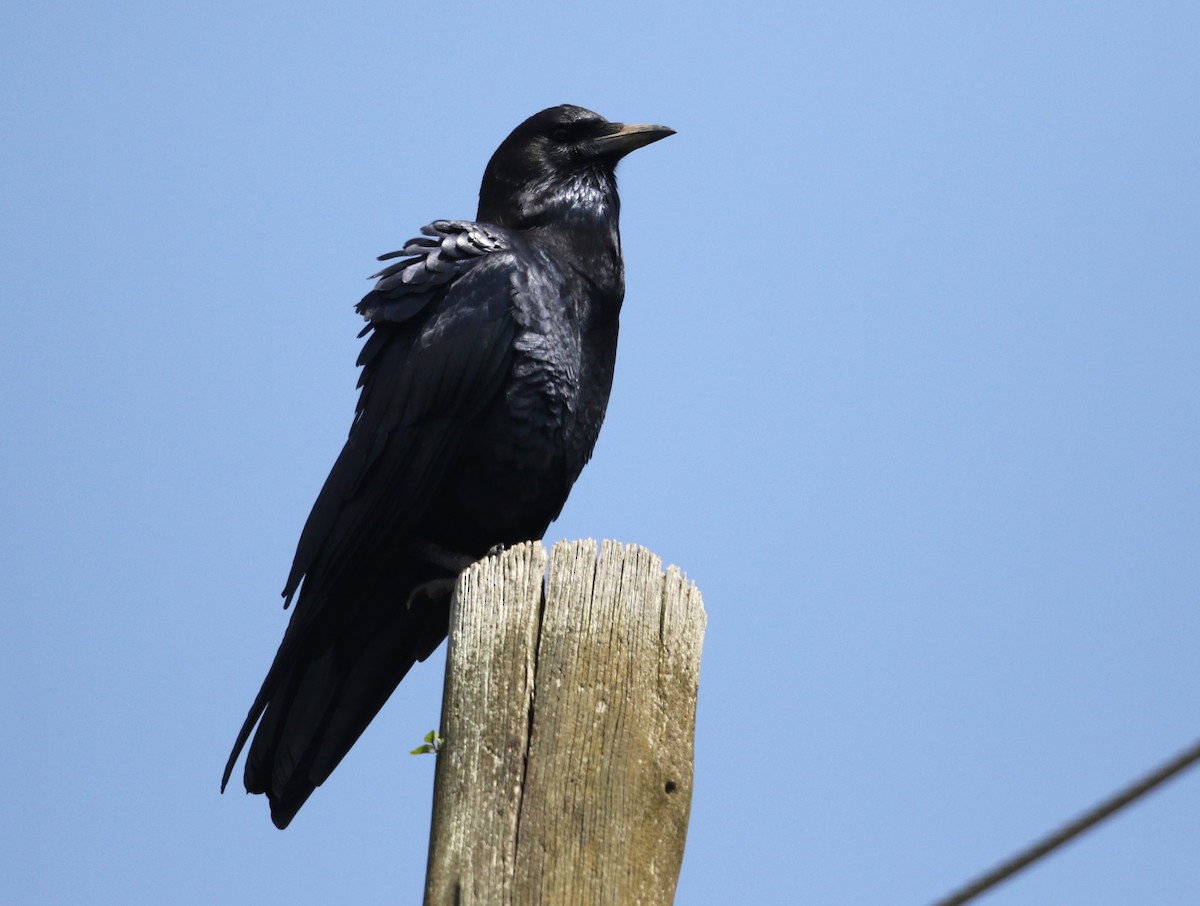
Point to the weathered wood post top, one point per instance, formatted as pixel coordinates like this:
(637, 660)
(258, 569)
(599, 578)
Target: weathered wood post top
(565, 777)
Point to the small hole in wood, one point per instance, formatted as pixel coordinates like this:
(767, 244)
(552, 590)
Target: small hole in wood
(670, 787)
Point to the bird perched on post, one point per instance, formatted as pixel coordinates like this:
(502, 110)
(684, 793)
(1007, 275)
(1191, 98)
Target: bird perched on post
(485, 376)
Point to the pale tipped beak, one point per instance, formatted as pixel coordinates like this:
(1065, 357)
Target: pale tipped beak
(629, 138)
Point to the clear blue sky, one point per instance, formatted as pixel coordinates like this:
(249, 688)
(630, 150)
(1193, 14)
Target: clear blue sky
(908, 384)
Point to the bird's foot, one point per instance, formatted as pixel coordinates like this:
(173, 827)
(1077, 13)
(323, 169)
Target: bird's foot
(428, 592)
(443, 557)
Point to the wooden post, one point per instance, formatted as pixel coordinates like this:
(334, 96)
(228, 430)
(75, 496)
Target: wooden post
(566, 772)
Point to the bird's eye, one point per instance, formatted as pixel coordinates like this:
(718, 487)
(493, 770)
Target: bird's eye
(561, 135)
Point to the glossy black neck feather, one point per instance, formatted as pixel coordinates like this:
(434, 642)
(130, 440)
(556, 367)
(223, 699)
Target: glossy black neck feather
(576, 213)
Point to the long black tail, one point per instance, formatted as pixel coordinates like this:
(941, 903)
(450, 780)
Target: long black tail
(339, 661)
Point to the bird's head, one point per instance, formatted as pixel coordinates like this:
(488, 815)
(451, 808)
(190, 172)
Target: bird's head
(556, 159)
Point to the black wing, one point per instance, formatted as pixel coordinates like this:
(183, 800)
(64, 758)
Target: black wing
(440, 346)
(441, 340)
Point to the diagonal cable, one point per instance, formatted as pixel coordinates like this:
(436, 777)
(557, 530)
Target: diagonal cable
(1073, 829)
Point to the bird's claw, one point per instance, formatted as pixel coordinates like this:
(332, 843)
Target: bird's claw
(443, 557)
(430, 591)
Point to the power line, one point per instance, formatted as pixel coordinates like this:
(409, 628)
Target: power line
(1073, 829)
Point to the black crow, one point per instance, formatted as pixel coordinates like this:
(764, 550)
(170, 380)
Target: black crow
(485, 376)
